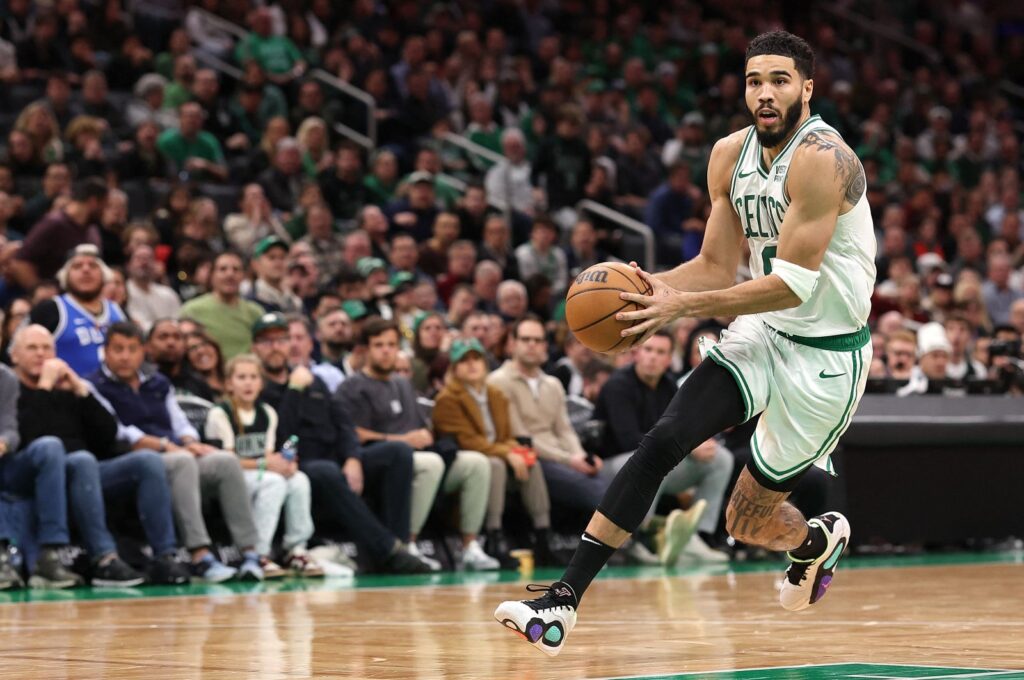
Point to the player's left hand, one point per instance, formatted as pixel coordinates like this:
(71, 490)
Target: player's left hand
(661, 307)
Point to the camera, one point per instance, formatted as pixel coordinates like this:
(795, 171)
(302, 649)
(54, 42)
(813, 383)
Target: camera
(1005, 348)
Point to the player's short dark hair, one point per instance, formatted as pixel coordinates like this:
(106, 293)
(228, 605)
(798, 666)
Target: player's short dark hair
(124, 329)
(377, 326)
(784, 44)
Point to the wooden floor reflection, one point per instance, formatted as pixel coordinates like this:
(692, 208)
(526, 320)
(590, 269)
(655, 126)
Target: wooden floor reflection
(968, 616)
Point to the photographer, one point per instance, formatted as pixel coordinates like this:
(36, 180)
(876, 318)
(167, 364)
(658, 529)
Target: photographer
(1006, 362)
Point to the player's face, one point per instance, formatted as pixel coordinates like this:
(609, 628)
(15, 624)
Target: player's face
(776, 95)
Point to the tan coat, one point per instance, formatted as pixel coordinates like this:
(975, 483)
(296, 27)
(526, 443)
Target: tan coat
(457, 413)
(544, 418)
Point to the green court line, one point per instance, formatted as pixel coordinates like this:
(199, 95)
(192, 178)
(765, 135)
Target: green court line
(476, 578)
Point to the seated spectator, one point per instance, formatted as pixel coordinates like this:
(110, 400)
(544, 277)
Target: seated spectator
(961, 366)
(997, 290)
(255, 222)
(595, 374)
(49, 241)
(638, 169)
(461, 260)
(342, 185)
(416, 213)
(384, 407)
(96, 102)
(477, 416)
(583, 251)
(508, 181)
(477, 326)
(403, 304)
(541, 255)
(900, 355)
(375, 224)
(461, 305)
(275, 54)
(300, 353)
(1004, 355)
(282, 182)
(259, 111)
(433, 259)
(382, 181)
(327, 246)
(486, 279)
(512, 300)
(562, 162)
(143, 160)
(35, 471)
(148, 299)
(430, 349)
(226, 316)
(668, 212)
(339, 469)
(334, 333)
(1017, 315)
(165, 348)
(147, 106)
(537, 405)
(206, 359)
(630, 404)
(473, 212)
(933, 350)
(404, 256)
(244, 425)
(151, 419)
(270, 257)
(54, 401)
(56, 184)
(569, 369)
(314, 141)
(81, 316)
(193, 150)
(497, 246)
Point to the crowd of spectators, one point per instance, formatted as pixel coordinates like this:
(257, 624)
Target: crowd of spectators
(248, 307)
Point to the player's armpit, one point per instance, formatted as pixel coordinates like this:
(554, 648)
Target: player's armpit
(822, 173)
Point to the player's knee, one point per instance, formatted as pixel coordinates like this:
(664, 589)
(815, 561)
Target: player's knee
(663, 447)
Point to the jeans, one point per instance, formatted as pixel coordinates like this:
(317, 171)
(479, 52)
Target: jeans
(387, 473)
(710, 478)
(270, 492)
(571, 488)
(37, 471)
(141, 474)
(332, 492)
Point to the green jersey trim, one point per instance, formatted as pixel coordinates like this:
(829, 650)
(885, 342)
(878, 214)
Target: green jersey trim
(834, 343)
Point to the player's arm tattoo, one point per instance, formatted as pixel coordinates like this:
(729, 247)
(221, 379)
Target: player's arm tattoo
(848, 168)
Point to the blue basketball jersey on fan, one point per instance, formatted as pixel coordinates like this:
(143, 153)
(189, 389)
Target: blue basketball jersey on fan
(79, 335)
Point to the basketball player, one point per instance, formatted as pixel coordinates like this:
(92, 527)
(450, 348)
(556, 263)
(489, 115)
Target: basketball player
(797, 352)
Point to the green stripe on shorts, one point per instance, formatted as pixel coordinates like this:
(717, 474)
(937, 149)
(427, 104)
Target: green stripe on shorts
(748, 401)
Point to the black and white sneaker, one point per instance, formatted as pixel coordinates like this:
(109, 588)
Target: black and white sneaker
(166, 570)
(544, 622)
(50, 573)
(807, 582)
(116, 574)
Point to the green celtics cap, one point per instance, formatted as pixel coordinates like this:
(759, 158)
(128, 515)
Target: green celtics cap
(462, 347)
(367, 265)
(267, 243)
(269, 321)
(356, 309)
(401, 280)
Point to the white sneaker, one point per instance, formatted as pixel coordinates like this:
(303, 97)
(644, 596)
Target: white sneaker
(679, 527)
(544, 622)
(807, 582)
(475, 559)
(638, 553)
(696, 549)
(414, 550)
(332, 554)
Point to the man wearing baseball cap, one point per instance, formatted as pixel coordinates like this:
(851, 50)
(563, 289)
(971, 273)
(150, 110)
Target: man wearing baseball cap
(270, 261)
(79, 318)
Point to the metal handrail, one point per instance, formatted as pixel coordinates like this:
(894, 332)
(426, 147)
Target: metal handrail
(352, 91)
(218, 64)
(881, 30)
(221, 22)
(645, 232)
(472, 147)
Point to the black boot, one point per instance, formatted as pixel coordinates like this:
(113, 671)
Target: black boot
(496, 545)
(543, 555)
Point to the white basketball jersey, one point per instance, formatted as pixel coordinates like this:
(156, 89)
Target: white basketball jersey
(841, 300)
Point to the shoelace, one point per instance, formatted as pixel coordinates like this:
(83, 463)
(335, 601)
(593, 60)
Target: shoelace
(549, 600)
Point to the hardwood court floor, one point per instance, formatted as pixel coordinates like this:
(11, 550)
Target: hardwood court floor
(634, 623)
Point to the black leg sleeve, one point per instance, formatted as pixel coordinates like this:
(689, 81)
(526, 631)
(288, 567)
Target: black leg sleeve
(707, 403)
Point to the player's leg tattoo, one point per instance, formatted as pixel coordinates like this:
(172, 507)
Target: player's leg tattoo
(760, 516)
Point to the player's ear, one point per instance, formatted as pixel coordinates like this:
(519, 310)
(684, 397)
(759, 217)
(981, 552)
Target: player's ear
(808, 89)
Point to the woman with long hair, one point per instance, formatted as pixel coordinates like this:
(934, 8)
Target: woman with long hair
(204, 355)
(315, 143)
(39, 123)
(15, 313)
(429, 363)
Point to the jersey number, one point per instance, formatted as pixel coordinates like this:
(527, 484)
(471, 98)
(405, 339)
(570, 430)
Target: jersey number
(767, 255)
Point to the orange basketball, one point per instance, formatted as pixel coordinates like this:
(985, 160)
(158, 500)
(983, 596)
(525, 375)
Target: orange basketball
(593, 301)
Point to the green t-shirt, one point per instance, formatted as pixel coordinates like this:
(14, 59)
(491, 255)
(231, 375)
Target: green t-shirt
(178, 149)
(175, 94)
(275, 54)
(229, 325)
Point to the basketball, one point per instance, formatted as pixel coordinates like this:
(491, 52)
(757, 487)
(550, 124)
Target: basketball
(593, 301)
